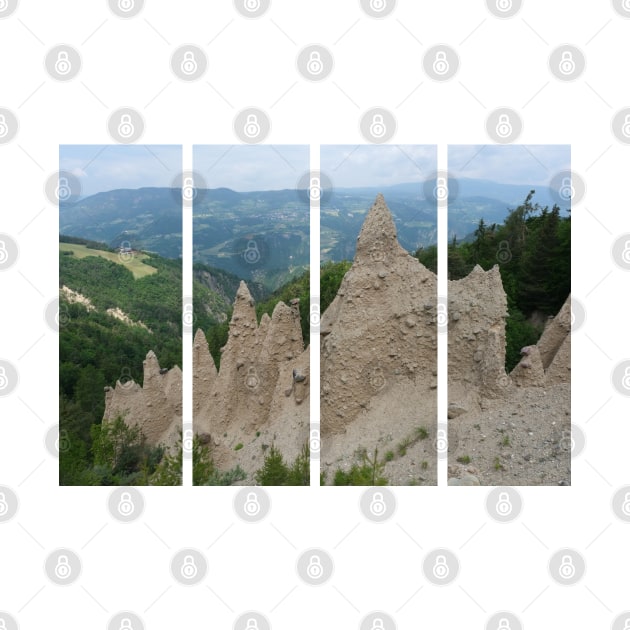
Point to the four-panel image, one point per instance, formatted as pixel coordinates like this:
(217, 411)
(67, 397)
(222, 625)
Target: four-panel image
(506, 312)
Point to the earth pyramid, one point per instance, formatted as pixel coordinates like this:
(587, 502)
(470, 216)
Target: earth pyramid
(379, 358)
(259, 395)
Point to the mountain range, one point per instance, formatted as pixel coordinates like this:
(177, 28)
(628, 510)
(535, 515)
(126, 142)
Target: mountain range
(263, 236)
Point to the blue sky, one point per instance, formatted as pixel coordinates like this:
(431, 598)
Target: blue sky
(509, 164)
(350, 166)
(107, 167)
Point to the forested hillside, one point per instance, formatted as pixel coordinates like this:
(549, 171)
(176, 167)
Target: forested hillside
(217, 331)
(533, 250)
(97, 349)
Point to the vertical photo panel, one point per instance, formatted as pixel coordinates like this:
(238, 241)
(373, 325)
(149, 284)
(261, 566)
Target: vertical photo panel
(120, 323)
(379, 322)
(251, 291)
(509, 315)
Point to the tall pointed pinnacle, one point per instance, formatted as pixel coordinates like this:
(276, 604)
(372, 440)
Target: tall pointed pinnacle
(244, 311)
(203, 363)
(151, 367)
(378, 237)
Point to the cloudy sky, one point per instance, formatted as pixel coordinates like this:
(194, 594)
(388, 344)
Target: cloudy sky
(251, 167)
(509, 164)
(350, 166)
(107, 167)
(266, 167)
(240, 167)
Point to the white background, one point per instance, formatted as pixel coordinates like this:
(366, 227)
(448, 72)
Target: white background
(252, 63)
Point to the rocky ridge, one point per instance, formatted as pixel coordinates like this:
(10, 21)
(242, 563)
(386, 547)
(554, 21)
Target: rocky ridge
(505, 429)
(259, 396)
(155, 407)
(379, 359)
(378, 375)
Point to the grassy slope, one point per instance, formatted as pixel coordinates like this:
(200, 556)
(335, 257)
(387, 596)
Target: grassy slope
(135, 263)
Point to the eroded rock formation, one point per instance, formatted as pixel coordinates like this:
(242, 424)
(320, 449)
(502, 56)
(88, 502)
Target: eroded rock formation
(156, 407)
(513, 428)
(378, 354)
(259, 396)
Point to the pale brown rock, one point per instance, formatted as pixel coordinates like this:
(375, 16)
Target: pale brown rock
(253, 399)
(378, 354)
(156, 407)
